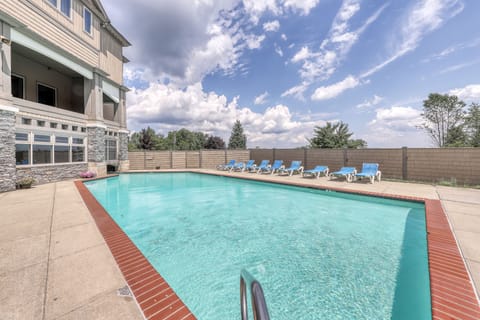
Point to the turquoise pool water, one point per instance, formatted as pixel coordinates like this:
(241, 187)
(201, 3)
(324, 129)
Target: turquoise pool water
(317, 254)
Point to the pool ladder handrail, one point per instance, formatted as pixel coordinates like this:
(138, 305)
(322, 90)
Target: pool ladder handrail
(259, 305)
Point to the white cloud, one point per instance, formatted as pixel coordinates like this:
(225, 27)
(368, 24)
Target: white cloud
(459, 66)
(278, 50)
(453, 49)
(297, 91)
(284, 37)
(396, 126)
(301, 5)
(303, 54)
(254, 42)
(167, 107)
(370, 103)
(468, 93)
(423, 18)
(331, 91)
(271, 26)
(261, 99)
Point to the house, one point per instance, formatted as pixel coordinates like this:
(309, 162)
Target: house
(62, 99)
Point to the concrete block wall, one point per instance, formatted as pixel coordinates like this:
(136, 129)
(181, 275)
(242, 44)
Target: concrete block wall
(210, 159)
(459, 165)
(389, 160)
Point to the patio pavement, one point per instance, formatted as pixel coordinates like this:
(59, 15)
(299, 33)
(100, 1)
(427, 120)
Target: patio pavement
(54, 264)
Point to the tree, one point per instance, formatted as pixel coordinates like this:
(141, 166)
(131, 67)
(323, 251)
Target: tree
(184, 139)
(334, 136)
(238, 140)
(146, 139)
(214, 142)
(442, 114)
(472, 124)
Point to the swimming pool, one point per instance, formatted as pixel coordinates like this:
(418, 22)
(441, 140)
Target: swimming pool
(317, 254)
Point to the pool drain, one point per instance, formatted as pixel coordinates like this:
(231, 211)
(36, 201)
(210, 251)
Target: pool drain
(124, 292)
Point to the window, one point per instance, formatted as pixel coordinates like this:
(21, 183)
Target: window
(64, 126)
(110, 150)
(46, 95)
(74, 128)
(87, 20)
(53, 125)
(77, 140)
(78, 154)
(62, 154)
(21, 136)
(22, 154)
(26, 121)
(61, 140)
(42, 153)
(40, 123)
(65, 6)
(53, 2)
(41, 138)
(18, 86)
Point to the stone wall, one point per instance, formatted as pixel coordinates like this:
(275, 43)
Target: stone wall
(52, 173)
(7, 150)
(122, 146)
(96, 144)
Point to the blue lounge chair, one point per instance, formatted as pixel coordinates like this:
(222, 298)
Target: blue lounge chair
(261, 166)
(277, 165)
(243, 166)
(316, 172)
(295, 166)
(370, 170)
(237, 166)
(226, 166)
(347, 172)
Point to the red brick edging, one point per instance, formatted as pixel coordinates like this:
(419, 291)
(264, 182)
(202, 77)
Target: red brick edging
(452, 292)
(153, 294)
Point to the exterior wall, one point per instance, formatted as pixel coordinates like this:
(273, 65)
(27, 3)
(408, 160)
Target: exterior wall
(7, 150)
(59, 30)
(111, 58)
(52, 173)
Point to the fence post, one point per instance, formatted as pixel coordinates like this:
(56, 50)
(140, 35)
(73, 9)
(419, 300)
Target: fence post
(144, 159)
(200, 159)
(226, 156)
(305, 158)
(171, 159)
(345, 157)
(273, 154)
(404, 163)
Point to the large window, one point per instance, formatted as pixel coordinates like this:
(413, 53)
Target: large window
(110, 149)
(18, 86)
(63, 5)
(87, 20)
(40, 148)
(46, 95)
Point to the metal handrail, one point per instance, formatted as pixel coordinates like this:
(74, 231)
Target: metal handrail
(259, 306)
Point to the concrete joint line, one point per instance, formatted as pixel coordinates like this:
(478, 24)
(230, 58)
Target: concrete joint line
(48, 253)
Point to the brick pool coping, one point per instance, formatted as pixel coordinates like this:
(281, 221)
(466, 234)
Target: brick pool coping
(451, 289)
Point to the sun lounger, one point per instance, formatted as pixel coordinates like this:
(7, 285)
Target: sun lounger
(370, 170)
(244, 166)
(295, 167)
(226, 166)
(277, 165)
(238, 166)
(347, 172)
(316, 172)
(264, 164)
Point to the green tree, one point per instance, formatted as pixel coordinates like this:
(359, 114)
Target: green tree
(472, 124)
(214, 142)
(335, 135)
(442, 114)
(238, 140)
(184, 139)
(146, 139)
(134, 142)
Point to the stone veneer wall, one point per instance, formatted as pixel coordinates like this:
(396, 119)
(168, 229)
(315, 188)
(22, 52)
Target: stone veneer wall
(96, 144)
(7, 151)
(123, 163)
(52, 173)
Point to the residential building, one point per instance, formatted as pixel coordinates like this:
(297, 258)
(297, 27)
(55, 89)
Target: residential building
(62, 99)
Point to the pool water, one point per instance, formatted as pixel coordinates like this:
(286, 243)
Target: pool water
(317, 254)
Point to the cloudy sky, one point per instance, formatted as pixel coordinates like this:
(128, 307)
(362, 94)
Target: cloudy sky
(282, 67)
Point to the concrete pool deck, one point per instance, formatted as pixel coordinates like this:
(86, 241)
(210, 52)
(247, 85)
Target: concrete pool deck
(55, 264)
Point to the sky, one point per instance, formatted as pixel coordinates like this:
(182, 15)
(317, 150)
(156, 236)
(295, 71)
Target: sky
(282, 67)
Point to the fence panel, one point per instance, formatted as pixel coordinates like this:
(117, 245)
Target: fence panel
(333, 158)
(193, 159)
(389, 160)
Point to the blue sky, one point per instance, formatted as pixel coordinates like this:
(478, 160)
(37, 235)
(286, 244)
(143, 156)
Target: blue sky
(282, 67)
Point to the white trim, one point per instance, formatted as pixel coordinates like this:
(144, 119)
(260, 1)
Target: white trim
(96, 125)
(9, 108)
(113, 92)
(36, 46)
(124, 131)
